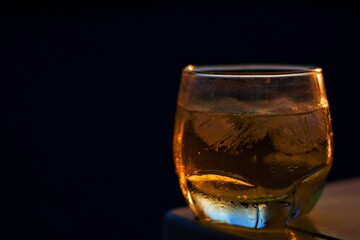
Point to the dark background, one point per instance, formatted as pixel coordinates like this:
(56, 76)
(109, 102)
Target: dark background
(88, 95)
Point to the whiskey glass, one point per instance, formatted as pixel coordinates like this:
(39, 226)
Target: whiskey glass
(252, 143)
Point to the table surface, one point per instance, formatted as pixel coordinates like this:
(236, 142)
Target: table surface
(336, 216)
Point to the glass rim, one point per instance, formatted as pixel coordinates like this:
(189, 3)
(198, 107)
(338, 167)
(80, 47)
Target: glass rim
(253, 70)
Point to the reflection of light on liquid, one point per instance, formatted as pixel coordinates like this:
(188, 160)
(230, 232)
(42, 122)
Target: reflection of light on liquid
(248, 217)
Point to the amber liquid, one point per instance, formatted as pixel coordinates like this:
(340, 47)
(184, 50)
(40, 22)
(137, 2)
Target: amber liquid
(254, 171)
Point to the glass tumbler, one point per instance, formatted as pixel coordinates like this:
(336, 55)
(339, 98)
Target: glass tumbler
(252, 143)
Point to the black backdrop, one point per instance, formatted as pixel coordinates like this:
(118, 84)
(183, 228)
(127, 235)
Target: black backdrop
(88, 93)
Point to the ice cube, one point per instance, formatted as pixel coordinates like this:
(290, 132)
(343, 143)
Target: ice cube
(299, 133)
(228, 131)
(230, 123)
